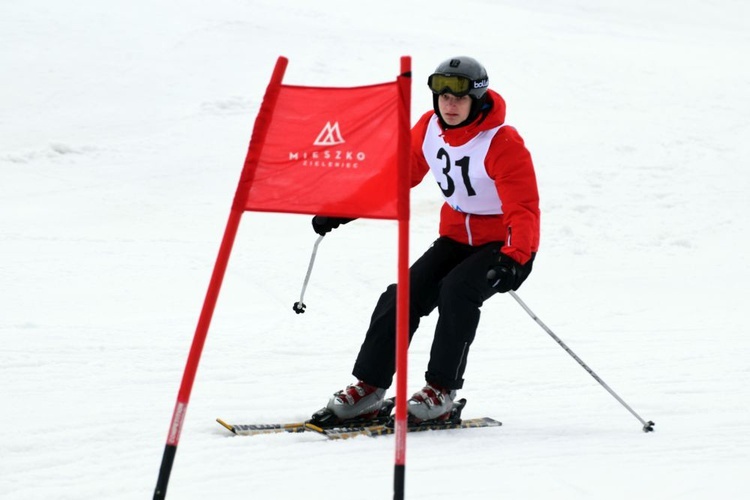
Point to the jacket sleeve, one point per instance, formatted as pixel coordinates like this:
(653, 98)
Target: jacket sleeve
(509, 164)
(419, 166)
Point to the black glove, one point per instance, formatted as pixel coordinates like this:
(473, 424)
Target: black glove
(323, 225)
(507, 274)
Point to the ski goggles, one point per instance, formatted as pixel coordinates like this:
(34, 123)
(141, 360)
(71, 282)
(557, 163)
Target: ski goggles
(450, 84)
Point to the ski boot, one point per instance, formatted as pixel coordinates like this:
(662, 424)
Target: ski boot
(432, 404)
(358, 404)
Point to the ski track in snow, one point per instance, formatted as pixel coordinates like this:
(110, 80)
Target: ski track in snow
(124, 128)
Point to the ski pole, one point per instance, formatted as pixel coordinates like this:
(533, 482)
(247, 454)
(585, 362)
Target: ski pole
(647, 426)
(299, 307)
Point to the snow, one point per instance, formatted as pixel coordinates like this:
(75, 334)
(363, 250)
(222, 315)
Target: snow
(123, 129)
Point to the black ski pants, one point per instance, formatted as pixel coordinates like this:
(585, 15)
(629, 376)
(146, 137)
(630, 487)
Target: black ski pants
(451, 276)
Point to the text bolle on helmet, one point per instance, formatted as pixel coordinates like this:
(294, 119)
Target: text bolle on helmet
(460, 76)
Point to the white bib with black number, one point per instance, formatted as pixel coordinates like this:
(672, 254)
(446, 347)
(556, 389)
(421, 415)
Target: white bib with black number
(460, 171)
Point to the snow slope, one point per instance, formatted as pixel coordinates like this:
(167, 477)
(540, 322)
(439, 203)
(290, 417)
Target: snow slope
(123, 128)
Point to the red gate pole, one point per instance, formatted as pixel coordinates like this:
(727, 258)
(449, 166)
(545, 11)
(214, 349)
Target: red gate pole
(209, 304)
(402, 290)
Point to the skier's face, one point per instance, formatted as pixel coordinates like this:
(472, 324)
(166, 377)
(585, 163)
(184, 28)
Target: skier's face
(454, 110)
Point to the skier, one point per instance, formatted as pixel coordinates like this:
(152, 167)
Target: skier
(489, 226)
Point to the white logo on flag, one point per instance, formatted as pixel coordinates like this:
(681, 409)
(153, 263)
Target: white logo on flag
(329, 136)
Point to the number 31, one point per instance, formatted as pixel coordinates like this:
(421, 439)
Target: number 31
(463, 164)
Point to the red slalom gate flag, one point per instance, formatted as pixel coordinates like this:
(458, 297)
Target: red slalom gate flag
(327, 151)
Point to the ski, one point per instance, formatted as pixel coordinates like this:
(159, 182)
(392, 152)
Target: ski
(386, 429)
(255, 429)
(325, 423)
(321, 419)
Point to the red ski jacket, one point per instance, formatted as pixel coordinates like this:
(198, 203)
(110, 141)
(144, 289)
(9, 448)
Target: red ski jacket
(508, 163)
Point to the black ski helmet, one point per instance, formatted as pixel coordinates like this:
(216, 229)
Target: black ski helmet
(476, 85)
